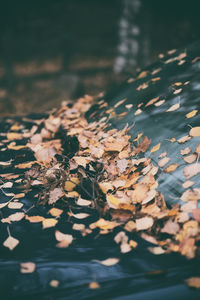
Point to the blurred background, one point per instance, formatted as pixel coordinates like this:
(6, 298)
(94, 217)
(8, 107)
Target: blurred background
(61, 49)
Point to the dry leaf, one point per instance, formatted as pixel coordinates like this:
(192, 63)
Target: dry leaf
(27, 267)
(156, 250)
(55, 212)
(171, 168)
(54, 283)
(155, 148)
(178, 91)
(184, 139)
(163, 161)
(122, 165)
(174, 107)
(170, 227)
(14, 136)
(80, 227)
(130, 226)
(49, 222)
(138, 112)
(191, 114)
(83, 202)
(94, 285)
(143, 146)
(80, 215)
(190, 158)
(55, 195)
(159, 103)
(152, 101)
(191, 170)
(34, 219)
(15, 205)
(187, 184)
(195, 131)
(185, 151)
(108, 262)
(64, 239)
(193, 282)
(144, 223)
(11, 242)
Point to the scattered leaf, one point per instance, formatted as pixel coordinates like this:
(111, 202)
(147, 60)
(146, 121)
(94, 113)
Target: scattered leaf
(11, 242)
(191, 114)
(155, 148)
(27, 267)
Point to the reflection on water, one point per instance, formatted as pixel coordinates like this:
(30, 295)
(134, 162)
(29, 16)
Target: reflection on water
(54, 50)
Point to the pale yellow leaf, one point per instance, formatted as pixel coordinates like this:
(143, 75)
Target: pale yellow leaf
(27, 267)
(191, 114)
(11, 242)
(174, 107)
(49, 222)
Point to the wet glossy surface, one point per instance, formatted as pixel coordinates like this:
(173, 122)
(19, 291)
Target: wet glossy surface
(74, 267)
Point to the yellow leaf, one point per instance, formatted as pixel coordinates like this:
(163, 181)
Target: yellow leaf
(106, 186)
(69, 186)
(112, 200)
(171, 168)
(195, 131)
(94, 285)
(191, 114)
(18, 147)
(55, 212)
(50, 222)
(34, 219)
(104, 224)
(25, 165)
(133, 243)
(142, 74)
(155, 148)
(73, 194)
(14, 136)
(11, 242)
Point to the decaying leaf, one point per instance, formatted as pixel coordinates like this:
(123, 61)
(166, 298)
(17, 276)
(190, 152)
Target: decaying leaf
(174, 107)
(49, 222)
(94, 285)
(171, 168)
(163, 161)
(155, 148)
(191, 114)
(108, 262)
(11, 242)
(64, 239)
(27, 267)
(195, 131)
(144, 223)
(193, 282)
(191, 170)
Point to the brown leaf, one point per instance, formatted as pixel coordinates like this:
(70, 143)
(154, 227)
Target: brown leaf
(143, 146)
(152, 101)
